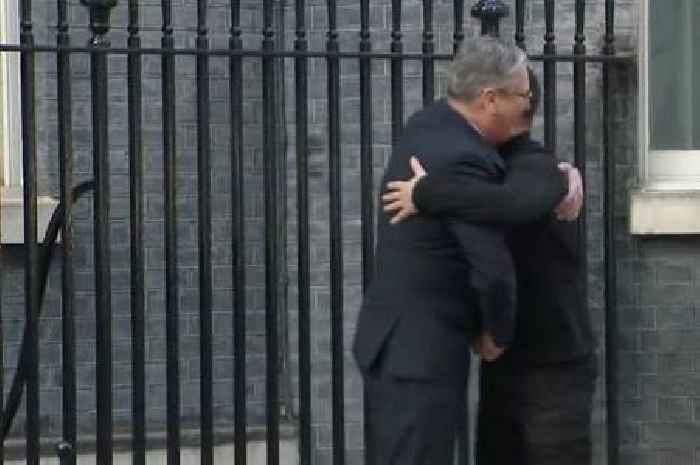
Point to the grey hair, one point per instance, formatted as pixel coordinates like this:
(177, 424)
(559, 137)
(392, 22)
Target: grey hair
(482, 62)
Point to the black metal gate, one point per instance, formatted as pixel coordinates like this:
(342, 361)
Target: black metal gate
(271, 58)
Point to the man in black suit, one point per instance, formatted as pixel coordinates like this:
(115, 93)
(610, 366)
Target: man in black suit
(439, 281)
(535, 402)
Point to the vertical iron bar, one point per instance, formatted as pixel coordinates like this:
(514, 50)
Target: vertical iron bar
(428, 49)
(366, 158)
(171, 270)
(102, 265)
(65, 160)
(458, 38)
(580, 130)
(31, 259)
(238, 236)
(303, 258)
(520, 23)
(550, 80)
(204, 227)
(271, 245)
(65, 453)
(611, 324)
(458, 35)
(137, 251)
(336, 238)
(99, 24)
(609, 47)
(282, 282)
(396, 73)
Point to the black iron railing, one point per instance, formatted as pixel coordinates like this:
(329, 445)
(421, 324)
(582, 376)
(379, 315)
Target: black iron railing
(490, 13)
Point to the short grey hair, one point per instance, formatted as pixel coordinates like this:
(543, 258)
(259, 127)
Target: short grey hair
(482, 62)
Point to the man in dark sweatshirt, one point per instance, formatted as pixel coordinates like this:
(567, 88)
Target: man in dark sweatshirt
(535, 401)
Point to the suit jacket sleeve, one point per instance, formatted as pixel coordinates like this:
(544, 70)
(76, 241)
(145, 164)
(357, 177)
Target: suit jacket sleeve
(532, 187)
(492, 272)
(491, 277)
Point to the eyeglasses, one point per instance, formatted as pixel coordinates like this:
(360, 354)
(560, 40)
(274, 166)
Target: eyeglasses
(526, 95)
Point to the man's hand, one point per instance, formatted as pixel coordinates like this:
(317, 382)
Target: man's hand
(570, 207)
(486, 347)
(398, 198)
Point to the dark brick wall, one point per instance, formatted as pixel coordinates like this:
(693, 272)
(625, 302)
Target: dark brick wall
(657, 278)
(657, 291)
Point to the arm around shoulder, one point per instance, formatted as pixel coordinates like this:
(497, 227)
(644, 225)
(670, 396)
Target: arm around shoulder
(532, 187)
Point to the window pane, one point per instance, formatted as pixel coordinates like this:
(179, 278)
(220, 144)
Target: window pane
(674, 71)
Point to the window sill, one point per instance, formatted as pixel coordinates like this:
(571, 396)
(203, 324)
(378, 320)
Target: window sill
(665, 212)
(12, 215)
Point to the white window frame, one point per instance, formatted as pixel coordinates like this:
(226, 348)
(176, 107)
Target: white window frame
(10, 114)
(656, 173)
(667, 201)
(11, 200)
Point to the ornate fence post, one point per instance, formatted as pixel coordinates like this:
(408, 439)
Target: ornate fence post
(99, 43)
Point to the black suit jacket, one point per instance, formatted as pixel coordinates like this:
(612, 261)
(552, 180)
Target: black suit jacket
(553, 323)
(437, 280)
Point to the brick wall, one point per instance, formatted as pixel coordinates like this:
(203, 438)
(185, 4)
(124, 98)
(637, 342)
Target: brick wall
(658, 278)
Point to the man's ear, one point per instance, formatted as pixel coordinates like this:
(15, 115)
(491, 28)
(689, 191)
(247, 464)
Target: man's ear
(487, 99)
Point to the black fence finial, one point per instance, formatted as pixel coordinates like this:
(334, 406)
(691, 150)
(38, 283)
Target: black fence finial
(99, 17)
(64, 450)
(490, 13)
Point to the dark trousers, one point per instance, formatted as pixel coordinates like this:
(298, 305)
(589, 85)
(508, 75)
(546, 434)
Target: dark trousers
(535, 414)
(411, 421)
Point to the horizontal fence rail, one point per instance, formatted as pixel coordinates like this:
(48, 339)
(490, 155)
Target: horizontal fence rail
(411, 56)
(254, 347)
